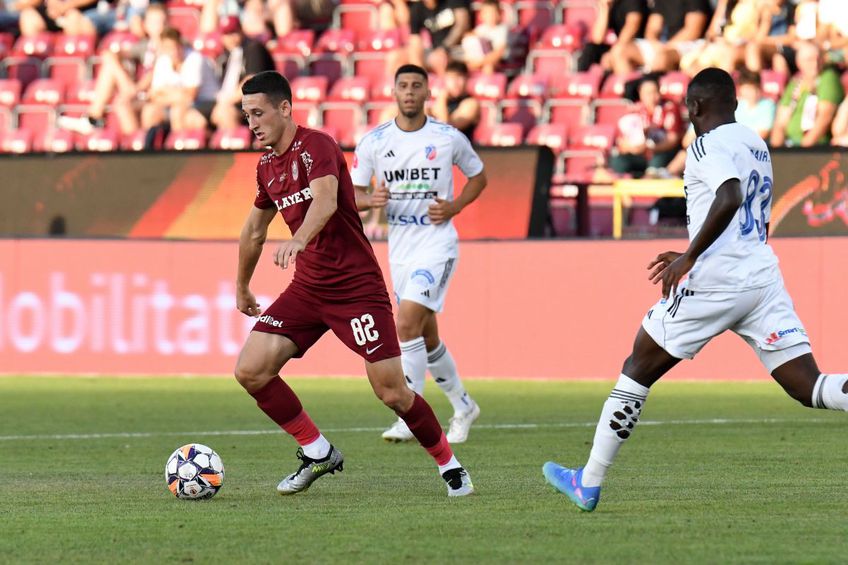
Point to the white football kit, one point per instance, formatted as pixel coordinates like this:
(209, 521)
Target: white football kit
(736, 283)
(417, 167)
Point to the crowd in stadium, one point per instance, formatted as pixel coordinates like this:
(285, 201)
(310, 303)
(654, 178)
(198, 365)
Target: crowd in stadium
(599, 81)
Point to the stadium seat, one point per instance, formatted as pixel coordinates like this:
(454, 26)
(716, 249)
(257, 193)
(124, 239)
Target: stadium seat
(44, 91)
(101, 140)
(298, 42)
(59, 141)
(773, 83)
(39, 119)
(209, 44)
(554, 136)
(133, 141)
(344, 111)
(374, 111)
(353, 89)
(118, 42)
(534, 14)
(22, 68)
(329, 130)
(185, 18)
(359, 18)
(609, 110)
(5, 119)
(69, 70)
(311, 89)
(10, 92)
(81, 92)
(528, 86)
(570, 111)
(523, 112)
(584, 85)
(306, 114)
(580, 13)
(39, 45)
(673, 86)
(16, 141)
(236, 139)
(549, 62)
(187, 140)
(7, 41)
(501, 135)
(370, 58)
(74, 45)
(592, 137)
(381, 89)
(614, 86)
(581, 165)
(488, 87)
(331, 52)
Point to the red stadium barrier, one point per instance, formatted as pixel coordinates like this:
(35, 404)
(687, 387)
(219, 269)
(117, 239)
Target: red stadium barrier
(555, 310)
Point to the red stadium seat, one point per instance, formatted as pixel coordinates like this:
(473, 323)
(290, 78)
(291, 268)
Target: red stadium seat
(374, 111)
(382, 88)
(501, 135)
(209, 44)
(288, 65)
(311, 89)
(69, 70)
(359, 18)
(39, 119)
(562, 36)
(60, 141)
(10, 92)
(74, 45)
(592, 137)
(185, 18)
(306, 114)
(535, 14)
(554, 136)
(5, 119)
(673, 86)
(188, 140)
(328, 65)
(525, 113)
(549, 62)
(24, 69)
(345, 117)
(101, 140)
(614, 85)
(572, 112)
(298, 42)
(576, 85)
(528, 86)
(39, 45)
(118, 42)
(373, 66)
(16, 141)
(609, 111)
(7, 41)
(329, 130)
(370, 59)
(581, 166)
(488, 87)
(45, 91)
(237, 139)
(356, 89)
(331, 52)
(133, 141)
(81, 92)
(580, 13)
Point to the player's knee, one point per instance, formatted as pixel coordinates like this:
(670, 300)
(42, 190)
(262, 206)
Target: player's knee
(409, 328)
(396, 398)
(249, 377)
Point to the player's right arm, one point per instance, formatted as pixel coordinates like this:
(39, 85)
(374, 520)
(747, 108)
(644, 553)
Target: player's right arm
(361, 173)
(251, 240)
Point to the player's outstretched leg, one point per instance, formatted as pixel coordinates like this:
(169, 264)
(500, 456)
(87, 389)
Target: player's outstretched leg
(802, 380)
(465, 410)
(262, 357)
(619, 417)
(386, 378)
(413, 354)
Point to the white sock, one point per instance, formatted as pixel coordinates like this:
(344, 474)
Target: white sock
(441, 365)
(452, 464)
(618, 419)
(318, 449)
(413, 357)
(828, 392)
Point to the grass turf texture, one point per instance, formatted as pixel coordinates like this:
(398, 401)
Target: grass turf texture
(750, 490)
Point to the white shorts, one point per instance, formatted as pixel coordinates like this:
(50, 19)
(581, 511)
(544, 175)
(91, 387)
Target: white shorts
(424, 282)
(764, 317)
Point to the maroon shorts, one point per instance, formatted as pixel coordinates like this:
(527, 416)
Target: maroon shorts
(365, 324)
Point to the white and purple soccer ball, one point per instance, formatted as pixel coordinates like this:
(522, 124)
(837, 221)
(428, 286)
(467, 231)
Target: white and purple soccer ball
(194, 472)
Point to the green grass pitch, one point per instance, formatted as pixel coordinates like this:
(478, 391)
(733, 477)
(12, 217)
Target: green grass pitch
(715, 473)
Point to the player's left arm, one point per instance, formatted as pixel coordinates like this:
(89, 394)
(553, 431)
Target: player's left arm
(727, 201)
(325, 192)
(443, 210)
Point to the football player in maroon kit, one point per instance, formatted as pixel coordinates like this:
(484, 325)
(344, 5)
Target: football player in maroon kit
(337, 285)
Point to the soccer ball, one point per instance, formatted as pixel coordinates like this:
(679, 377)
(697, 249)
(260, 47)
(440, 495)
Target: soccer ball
(194, 471)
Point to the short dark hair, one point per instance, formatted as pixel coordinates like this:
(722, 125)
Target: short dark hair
(457, 67)
(412, 69)
(714, 86)
(171, 33)
(270, 83)
(747, 76)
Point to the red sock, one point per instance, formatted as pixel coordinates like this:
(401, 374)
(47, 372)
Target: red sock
(281, 404)
(426, 429)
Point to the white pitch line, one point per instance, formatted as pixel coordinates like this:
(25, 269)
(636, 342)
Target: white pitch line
(528, 426)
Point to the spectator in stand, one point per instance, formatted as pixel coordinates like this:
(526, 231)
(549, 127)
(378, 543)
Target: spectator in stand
(833, 30)
(809, 102)
(733, 25)
(244, 58)
(453, 104)
(114, 80)
(393, 14)
(183, 88)
(840, 125)
(73, 17)
(674, 28)
(447, 21)
(772, 45)
(624, 18)
(648, 138)
(754, 110)
(289, 15)
(486, 46)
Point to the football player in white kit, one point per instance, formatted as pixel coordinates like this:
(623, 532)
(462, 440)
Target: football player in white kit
(412, 159)
(734, 284)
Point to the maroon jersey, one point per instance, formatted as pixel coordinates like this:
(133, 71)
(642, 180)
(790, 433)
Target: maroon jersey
(340, 257)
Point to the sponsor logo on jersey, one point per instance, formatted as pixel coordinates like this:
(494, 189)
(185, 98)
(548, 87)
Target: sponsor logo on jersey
(430, 152)
(775, 336)
(294, 170)
(296, 198)
(408, 220)
(424, 274)
(423, 173)
(761, 155)
(419, 195)
(307, 161)
(271, 321)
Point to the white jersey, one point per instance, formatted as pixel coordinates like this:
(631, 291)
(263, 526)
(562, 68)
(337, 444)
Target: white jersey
(740, 259)
(416, 166)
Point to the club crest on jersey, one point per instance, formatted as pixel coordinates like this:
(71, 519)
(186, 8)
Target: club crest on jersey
(430, 152)
(307, 161)
(355, 161)
(294, 170)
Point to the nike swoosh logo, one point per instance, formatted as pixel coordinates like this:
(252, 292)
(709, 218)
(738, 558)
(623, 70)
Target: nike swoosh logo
(270, 182)
(370, 351)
